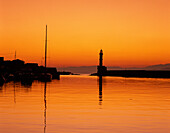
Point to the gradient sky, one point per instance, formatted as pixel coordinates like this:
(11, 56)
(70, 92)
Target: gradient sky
(130, 32)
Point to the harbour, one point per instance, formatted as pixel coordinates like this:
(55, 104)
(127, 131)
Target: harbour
(79, 104)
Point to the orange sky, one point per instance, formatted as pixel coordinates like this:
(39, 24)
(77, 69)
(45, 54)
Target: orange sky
(130, 32)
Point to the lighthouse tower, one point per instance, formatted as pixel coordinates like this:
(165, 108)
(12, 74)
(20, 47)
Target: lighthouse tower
(101, 70)
(101, 58)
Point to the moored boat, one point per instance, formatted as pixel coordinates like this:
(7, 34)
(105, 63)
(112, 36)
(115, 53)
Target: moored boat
(45, 77)
(2, 80)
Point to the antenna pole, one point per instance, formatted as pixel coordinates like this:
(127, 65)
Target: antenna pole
(46, 48)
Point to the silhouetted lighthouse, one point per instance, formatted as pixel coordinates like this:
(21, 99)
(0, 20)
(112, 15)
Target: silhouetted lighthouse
(101, 58)
(101, 70)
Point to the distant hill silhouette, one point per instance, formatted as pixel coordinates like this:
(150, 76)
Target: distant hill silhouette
(80, 70)
(85, 69)
(158, 67)
(152, 67)
(93, 69)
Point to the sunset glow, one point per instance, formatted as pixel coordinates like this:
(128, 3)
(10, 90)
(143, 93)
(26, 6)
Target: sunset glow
(130, 32)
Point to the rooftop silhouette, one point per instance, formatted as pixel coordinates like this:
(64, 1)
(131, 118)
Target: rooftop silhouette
(18, 70)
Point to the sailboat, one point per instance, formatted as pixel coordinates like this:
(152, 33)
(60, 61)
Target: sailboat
(45, 77)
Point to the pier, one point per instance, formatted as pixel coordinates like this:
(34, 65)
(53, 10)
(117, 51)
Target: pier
(102, 71)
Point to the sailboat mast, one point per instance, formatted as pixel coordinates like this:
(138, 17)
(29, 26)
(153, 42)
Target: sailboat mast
(46, 48)
(15, 55)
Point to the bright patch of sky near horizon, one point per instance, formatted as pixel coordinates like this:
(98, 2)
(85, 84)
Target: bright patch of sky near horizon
(131, 32)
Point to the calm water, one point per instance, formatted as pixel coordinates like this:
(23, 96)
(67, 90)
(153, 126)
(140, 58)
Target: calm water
(82, 104)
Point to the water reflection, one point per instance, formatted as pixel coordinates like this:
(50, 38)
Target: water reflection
(45, 106)
(79, 110)
(100, 90)
(14, 94)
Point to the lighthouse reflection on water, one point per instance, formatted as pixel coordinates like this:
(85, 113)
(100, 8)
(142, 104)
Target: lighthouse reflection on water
(100, 70)
(100, 90)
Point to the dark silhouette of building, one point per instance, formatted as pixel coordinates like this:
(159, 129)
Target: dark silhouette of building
(1, 59)
(18, 70)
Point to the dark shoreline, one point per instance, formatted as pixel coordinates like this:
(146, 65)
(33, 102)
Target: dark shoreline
(135, 73)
